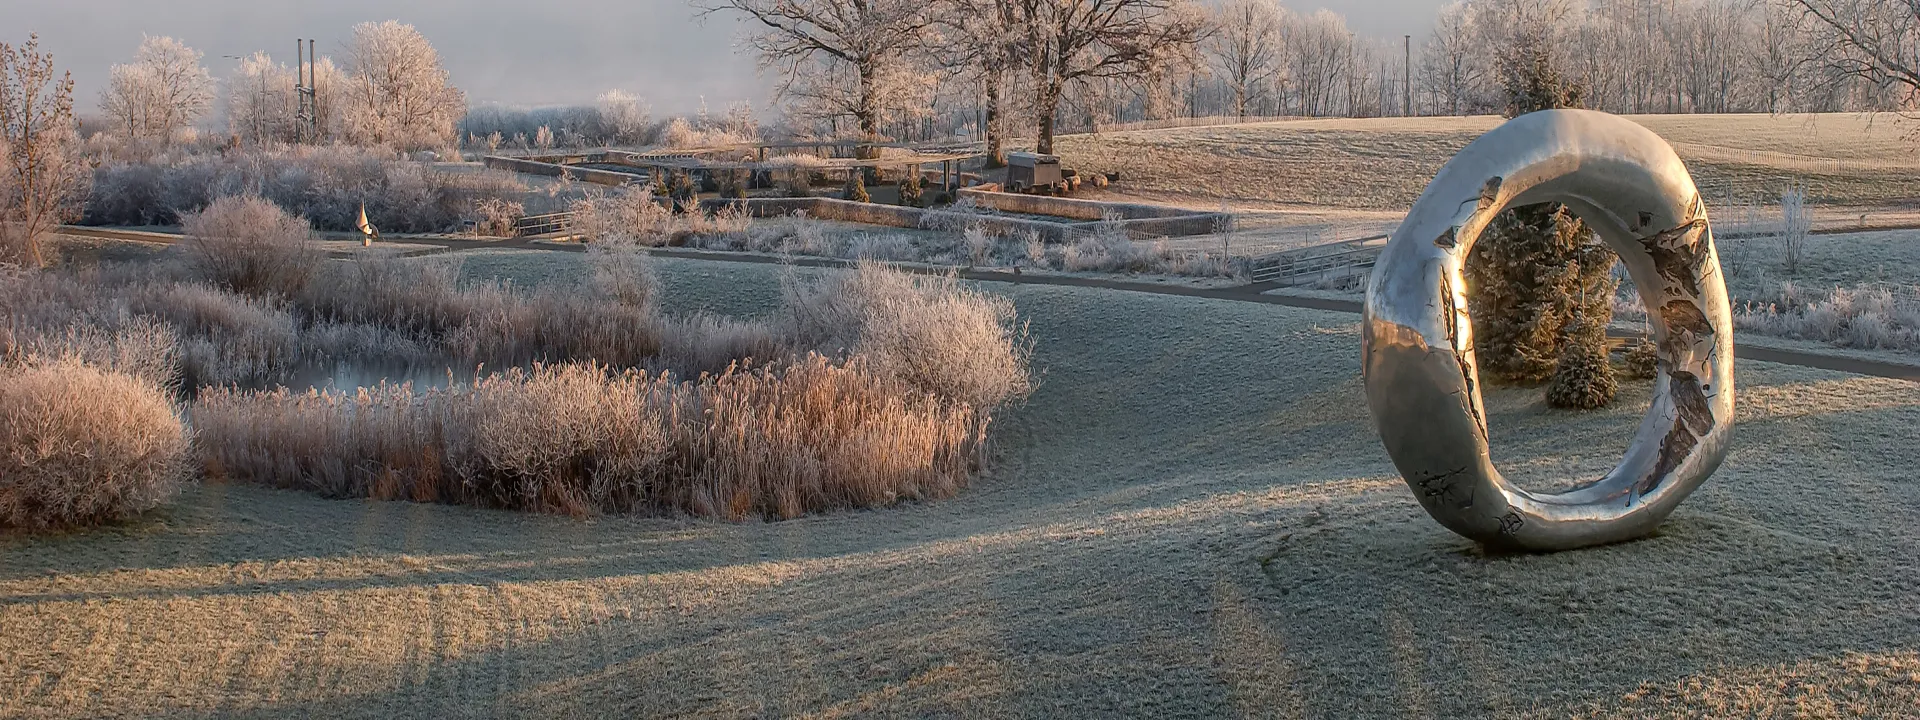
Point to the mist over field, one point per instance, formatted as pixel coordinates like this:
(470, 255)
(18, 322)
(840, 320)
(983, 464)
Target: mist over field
(513, 53)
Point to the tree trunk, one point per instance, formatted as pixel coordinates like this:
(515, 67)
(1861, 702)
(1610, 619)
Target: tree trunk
(1047, 107)
(996, 136)
(867, 116)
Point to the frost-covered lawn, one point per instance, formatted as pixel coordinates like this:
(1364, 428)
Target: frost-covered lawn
(1191, 518)
(1382, 164)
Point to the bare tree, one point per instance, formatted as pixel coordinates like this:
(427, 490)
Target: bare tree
(1710, 55)
(625, 118)
(330, 100)
(1319, 49)
(1780, 54)
(842, 56)
(1877, 41)
(1070, 41)
(1453, 63)
(1245, 48)
(44, 175)
(399, 94)
(260, 101)
(981, 41)
(829, 89)
(163, 91)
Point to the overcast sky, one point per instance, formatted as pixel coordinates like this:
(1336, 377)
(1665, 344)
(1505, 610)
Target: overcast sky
(546, 52)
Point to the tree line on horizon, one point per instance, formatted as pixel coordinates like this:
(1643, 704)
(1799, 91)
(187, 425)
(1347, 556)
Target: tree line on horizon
(999, 69)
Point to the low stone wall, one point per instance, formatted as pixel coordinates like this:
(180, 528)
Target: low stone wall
(824, 208)
(1184, 225)
(534, 167)
(1068, 207)
(899, 216)
(1137, 219)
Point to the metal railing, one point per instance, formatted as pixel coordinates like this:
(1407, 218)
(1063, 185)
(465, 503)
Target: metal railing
(1303, 263)
(542, 224)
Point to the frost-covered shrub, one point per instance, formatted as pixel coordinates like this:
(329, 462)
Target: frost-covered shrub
(326, 185)
(928, 331)
(252, 246)
(80, 445)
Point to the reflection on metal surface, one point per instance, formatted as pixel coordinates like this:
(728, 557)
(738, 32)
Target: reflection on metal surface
(1421, 381)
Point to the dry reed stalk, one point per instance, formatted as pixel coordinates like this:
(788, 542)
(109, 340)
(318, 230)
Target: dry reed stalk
(579, 439)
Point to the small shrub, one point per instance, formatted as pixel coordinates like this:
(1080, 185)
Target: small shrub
(797, 184)
(80, 446)
(1110, 252)
(498, 217)
(732, 184)
(1796, 224)
(809, 237)
(1037, 253)
(1641, 360)
(623, 213)
(252, 246)
(622, 272)
(910, 190)
(856, 188)
(681, 191)
(1582, 380)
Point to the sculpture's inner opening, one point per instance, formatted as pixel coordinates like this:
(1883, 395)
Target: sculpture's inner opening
(1522, 424)
(1528, 438)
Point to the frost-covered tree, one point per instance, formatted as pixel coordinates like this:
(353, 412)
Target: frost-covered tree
(624, 118)
(330, 100)
(1075, 41)
(1454, 63)
(1877, 41)
(43, 175)
(979, 42)
(829, 89)
(1319, 54)
(261, 105)
(396, 91)
(839, 58)
(1245, 48)
(163, 91)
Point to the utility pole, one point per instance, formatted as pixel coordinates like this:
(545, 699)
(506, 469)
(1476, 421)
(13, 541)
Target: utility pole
(307, 116)
(1406, 70)
(300, 91)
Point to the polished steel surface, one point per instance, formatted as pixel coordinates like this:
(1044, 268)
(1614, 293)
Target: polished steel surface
(1421, 379)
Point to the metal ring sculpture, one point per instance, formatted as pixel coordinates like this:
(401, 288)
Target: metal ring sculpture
(1421, 378)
